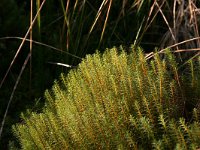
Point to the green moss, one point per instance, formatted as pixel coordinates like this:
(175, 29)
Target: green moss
(117, 100)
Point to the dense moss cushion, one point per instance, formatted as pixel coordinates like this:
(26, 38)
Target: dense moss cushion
(117, 100)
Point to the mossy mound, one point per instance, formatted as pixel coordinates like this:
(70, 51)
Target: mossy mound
(119, 101)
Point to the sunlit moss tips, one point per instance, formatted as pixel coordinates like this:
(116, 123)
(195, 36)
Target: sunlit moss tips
(118, 100)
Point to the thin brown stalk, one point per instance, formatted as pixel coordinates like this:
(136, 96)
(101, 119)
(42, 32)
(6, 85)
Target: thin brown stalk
(179, 43)
(105, 23)
(22, 69)
(22, 43)
(12, 94)
(149, 15)
(149, 22)
(187, 50)
(150, 55)
(174, 15)
(42, 44)
(196, 29)
(98, 15)
(64, 25)
(124, 2)
(31, 46)
(167, 23)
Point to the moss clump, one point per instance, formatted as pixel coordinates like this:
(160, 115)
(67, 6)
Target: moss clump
(119, 101)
